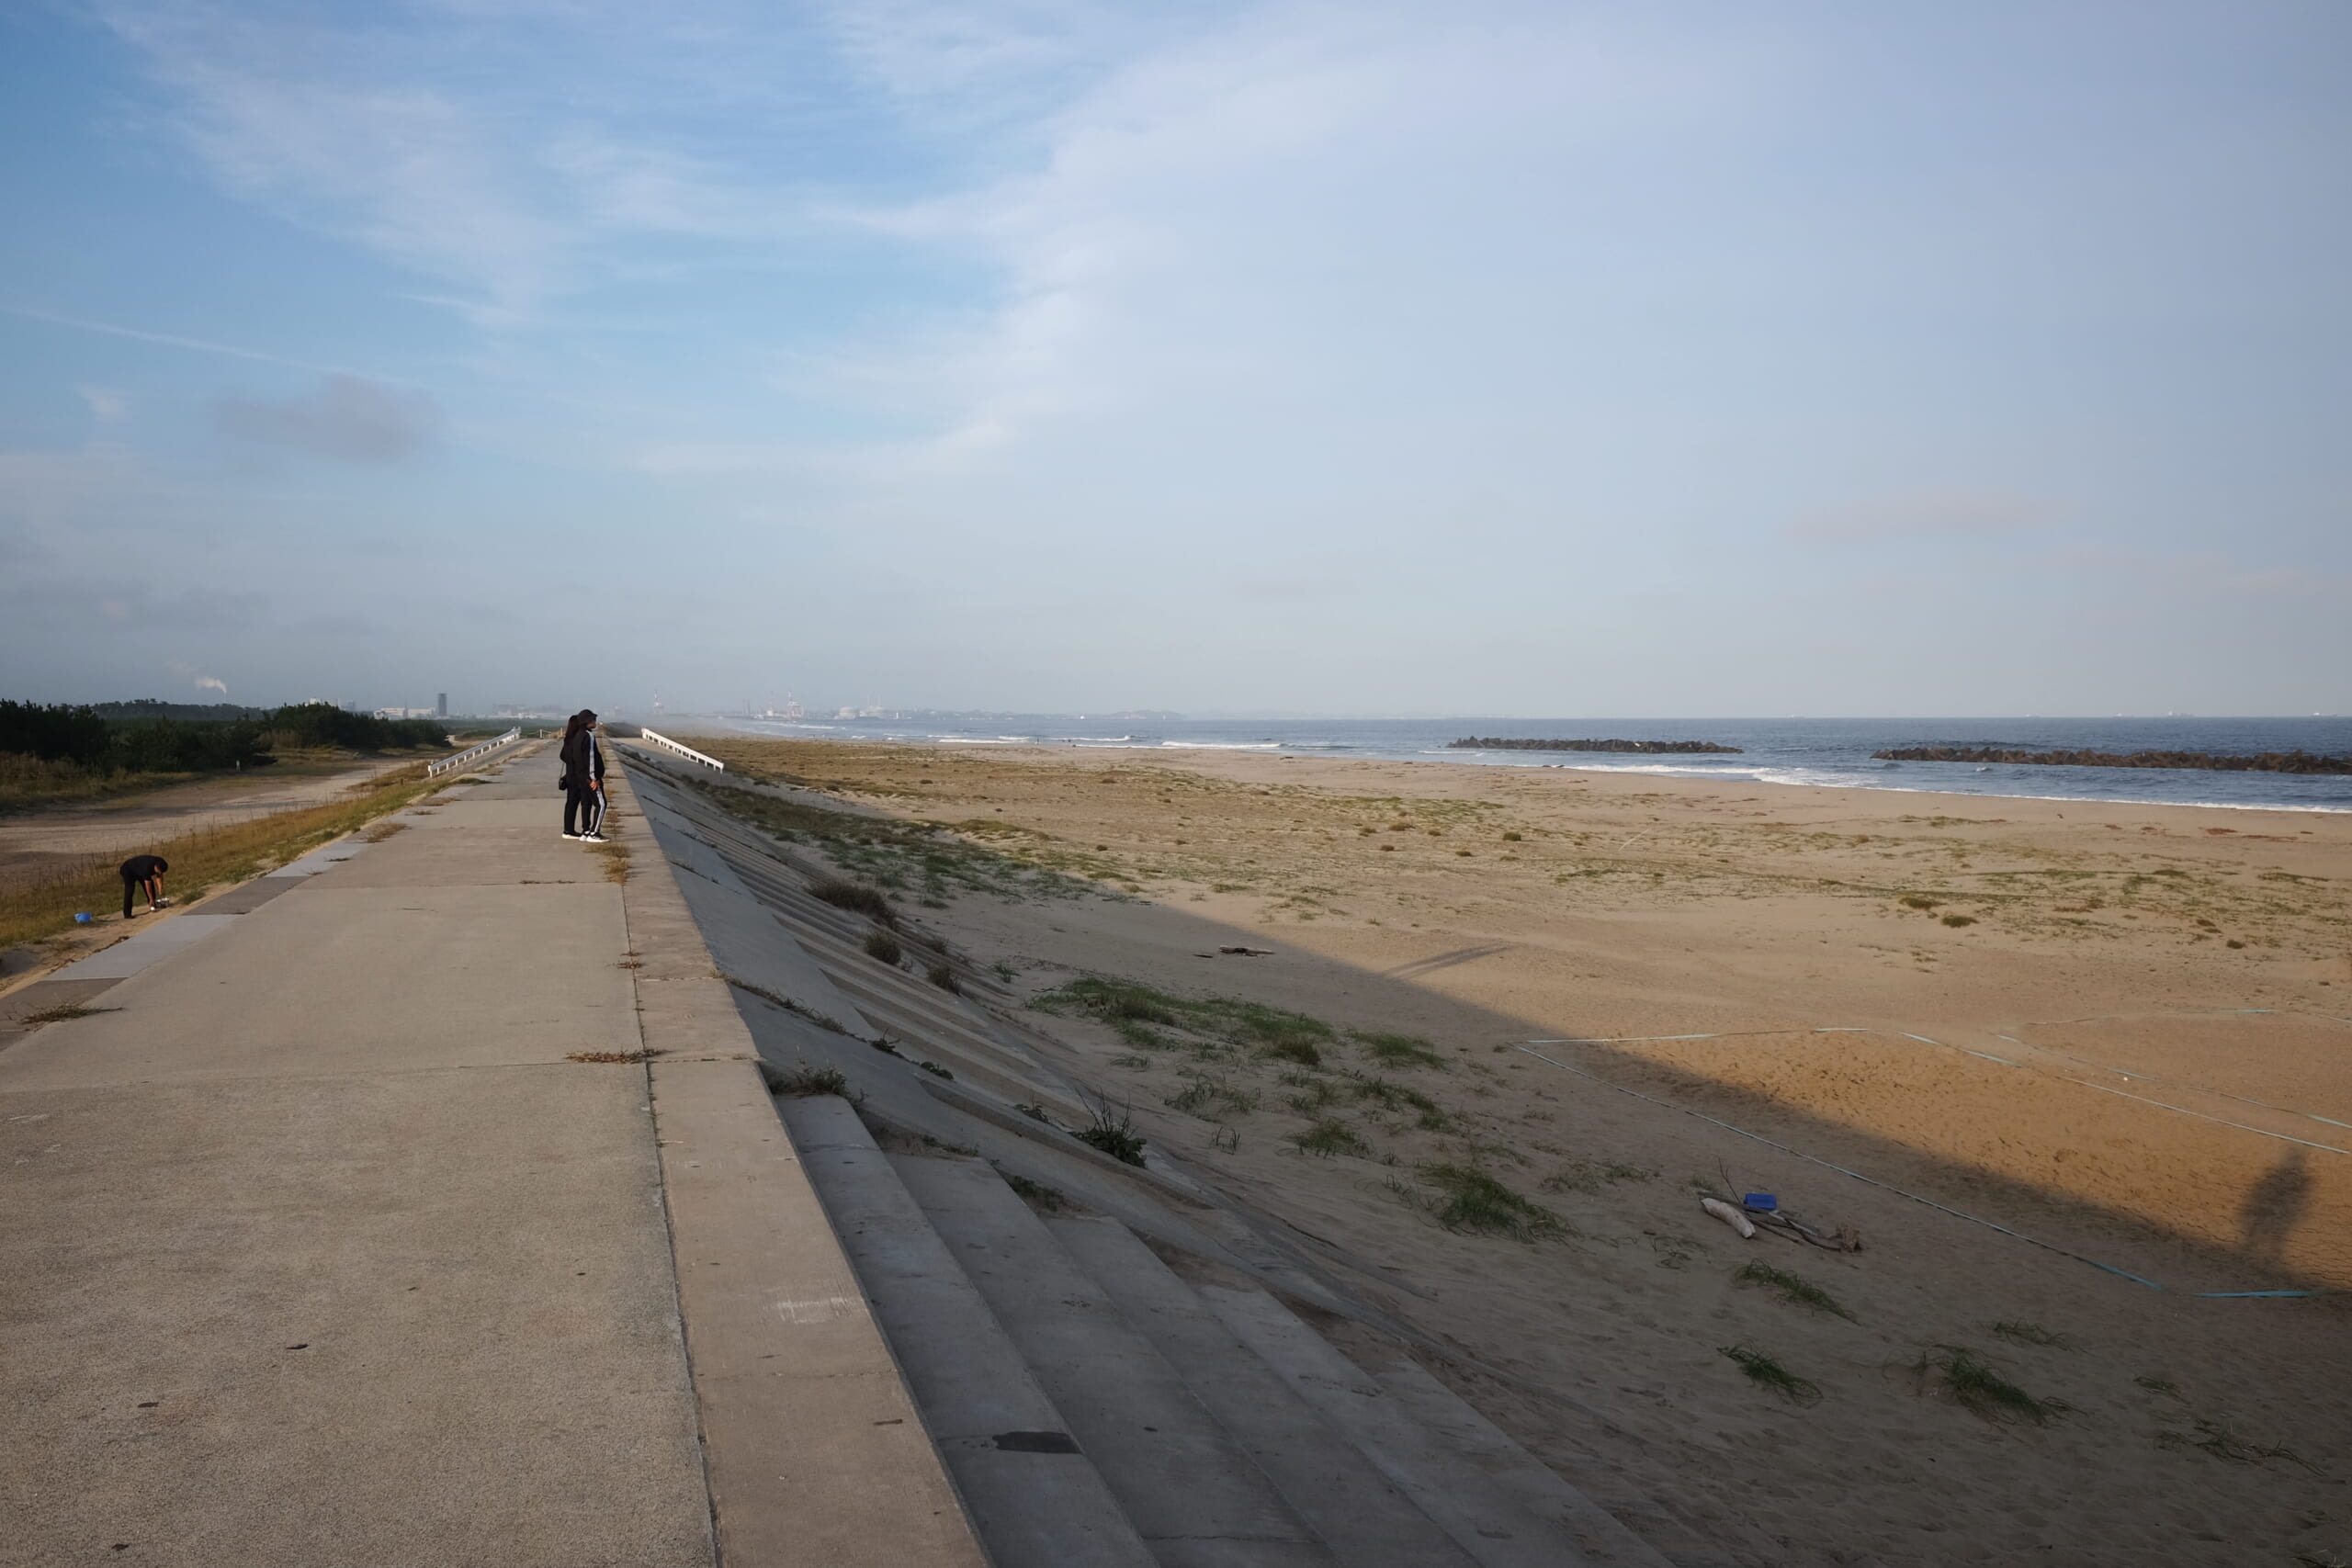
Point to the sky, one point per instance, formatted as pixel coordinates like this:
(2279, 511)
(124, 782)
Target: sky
(1883, 357)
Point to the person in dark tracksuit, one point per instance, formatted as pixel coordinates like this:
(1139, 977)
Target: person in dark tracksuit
(143, 874)
(584, 778)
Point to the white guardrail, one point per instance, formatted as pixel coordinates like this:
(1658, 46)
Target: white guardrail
(688, 752)
(470, 753)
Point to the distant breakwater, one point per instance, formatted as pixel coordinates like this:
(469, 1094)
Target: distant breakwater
(2296, 761)
(1645, 748)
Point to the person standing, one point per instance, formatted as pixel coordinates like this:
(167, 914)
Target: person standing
(584, 778)
(143, 874)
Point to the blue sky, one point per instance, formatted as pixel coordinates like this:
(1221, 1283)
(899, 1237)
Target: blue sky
(1454, 358)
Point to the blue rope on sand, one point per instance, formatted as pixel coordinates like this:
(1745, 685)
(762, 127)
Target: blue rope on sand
(1528, 1048)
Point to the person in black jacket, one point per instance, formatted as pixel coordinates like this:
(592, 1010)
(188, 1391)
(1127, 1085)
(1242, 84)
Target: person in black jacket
(143, 874)
(584, 778)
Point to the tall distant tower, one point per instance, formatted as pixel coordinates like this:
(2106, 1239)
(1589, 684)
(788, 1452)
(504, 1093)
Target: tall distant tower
(442, 710)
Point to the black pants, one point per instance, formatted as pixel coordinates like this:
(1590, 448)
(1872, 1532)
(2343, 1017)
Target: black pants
(585, 807)
(130, 885)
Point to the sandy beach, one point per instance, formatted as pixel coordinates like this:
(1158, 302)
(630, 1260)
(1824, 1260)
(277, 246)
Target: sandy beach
(2067, 1069)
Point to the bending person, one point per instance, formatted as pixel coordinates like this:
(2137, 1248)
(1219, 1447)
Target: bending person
(143, 874)
(584, 778)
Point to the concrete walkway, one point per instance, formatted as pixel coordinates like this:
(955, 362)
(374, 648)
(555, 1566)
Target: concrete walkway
(320, 1251)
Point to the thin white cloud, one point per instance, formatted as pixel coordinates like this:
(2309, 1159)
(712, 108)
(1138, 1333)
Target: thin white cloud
(173, 339)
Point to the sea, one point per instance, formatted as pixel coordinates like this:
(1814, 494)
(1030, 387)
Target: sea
(1830, 752)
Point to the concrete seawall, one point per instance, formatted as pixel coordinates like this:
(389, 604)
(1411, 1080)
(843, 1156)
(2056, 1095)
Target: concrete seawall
(323, 1248)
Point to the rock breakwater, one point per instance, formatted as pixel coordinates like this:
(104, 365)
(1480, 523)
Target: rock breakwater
(2296, 762)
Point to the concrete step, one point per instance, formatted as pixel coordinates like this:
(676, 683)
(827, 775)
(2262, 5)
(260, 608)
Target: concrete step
(1602, 1536)
(1481, 1515)
(1364, 1517)
(1038, 1500)
(1192, 1493)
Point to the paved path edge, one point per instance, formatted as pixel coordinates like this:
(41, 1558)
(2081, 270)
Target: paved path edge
(812, 1447)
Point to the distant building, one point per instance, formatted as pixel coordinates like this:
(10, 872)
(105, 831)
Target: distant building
(441, 709)
(410, 713)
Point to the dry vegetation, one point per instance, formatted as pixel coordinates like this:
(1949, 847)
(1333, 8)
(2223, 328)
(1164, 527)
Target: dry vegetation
(207, 858)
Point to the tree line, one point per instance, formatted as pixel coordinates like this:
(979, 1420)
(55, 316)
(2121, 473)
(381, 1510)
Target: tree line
(88, 738)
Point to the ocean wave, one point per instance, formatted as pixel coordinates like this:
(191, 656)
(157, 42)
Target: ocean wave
(1226, 745)
(1823, 779)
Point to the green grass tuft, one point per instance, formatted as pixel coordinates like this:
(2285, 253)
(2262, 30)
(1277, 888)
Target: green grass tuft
(1330, 1136)
(1592, 1176)
(1112, 1130)
(1400, 1050)
(2216, 1438)
(1794, 1289)
(881, 945)
(856, 898)
(1969, 1380)
(1476, 1204)
(1766, 1371)
(804, 1081)
(1036, 1194)
(1205, 1094)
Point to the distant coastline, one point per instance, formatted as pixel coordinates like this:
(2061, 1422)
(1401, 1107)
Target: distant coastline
(2263, 763)
(1644, 748)
(1819, 753)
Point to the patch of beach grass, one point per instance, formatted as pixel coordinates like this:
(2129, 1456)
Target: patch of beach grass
(1766, 1371)
(1211, 1097)
(804, 1081)
(1794, 1289)
(884, 948)
(928, 860)
(1215, 1024)
(1397, 1099)
(1112, 1130)
(1036, 1194)
(1328, 1136)
(1594, 1176)
(1400, 1050)
(1964, 1377)
(1475, 1203)
(857, 897)
(2215, 1438)
(608, 1056)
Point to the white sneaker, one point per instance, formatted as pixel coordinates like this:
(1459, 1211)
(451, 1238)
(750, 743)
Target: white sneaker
(571, 835)
(593, 838)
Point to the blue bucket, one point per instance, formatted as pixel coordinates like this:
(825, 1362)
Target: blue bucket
(81, 917)
(1763, 1203)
